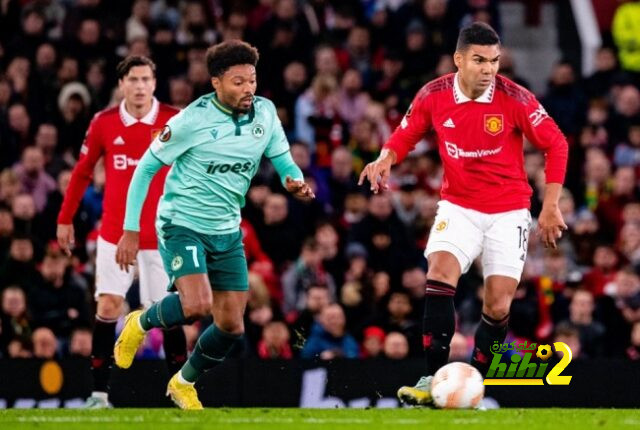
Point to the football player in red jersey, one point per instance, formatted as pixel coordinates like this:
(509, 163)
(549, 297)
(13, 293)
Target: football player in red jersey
(479, 119)
(120, 135)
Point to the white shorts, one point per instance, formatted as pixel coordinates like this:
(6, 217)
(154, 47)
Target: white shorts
(110, 279)
(500, 238)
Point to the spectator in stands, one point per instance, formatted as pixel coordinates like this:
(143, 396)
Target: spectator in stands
(627, 152)
(609, 212)
(352, 101)
(19, 268)
(33, 178)
(342, 179)
(277, 231)
(626, 291)
(569, 334)
(328, 339)
(45, 344)
(601, 80)
(57, 301)
(317, 297)
(74, 101)
(605, 265)
(372, 346)
(19, 132)
(80, 343)
(47, 141)
(306, 271)
(565, 100)
(626, 110)
(581, 316)
(396, 346)
(275, 341)
(399, 318)
(384, 237)
(14, 318)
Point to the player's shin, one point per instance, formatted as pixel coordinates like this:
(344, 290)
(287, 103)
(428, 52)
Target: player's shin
(438, 324)
(104, 334)
(166, 313)
(488, 332)
(175, 348)
(211, 349)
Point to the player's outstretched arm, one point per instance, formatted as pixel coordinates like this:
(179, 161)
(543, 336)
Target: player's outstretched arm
(550, 222)
(378, 172)
(138, 188)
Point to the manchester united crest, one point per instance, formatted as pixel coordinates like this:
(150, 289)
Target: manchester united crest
(441, 226)
(493, 124)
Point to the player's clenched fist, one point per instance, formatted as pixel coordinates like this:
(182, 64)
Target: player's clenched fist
(127, 249)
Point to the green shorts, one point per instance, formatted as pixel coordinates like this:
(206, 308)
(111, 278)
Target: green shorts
(185, 252)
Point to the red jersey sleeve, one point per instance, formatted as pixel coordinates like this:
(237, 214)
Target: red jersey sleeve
(543, 132)
(413, 127)
(90, 153)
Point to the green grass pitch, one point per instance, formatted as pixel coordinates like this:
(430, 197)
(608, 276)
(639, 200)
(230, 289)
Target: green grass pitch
(333, 419)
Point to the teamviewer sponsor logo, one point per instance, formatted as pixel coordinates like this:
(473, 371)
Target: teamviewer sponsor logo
(455, 152)
(121, 162)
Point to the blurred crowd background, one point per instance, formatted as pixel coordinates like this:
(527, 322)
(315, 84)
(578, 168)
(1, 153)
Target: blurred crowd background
(342, 276)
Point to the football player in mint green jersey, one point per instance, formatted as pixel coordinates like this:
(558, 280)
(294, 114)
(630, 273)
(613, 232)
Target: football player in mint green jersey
(214, 146)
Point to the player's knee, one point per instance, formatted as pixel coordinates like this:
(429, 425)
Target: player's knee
(196, 310)
(233, 327)
(109, 306)
(440, 274)
(497, 310)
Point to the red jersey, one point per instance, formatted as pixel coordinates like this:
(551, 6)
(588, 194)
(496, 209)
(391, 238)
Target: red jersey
(481, 141)
(122, 140)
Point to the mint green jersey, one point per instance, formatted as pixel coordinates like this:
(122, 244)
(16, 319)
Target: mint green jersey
(214, 155)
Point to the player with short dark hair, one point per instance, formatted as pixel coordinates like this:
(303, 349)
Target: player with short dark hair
(120, 135)
(215, 145)
(479, 119)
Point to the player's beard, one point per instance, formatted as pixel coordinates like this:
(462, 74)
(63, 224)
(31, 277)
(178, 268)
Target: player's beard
(241, 109)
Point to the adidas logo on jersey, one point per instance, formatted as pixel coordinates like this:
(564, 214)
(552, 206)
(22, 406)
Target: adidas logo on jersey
(449, 123)
(118, 141)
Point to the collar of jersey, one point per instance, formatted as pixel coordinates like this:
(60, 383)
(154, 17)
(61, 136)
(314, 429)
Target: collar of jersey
(459, 97)
(217, 103)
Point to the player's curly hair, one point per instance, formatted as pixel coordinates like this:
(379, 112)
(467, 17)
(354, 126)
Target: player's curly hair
(477, 33)
(133, 61)
(230, 53)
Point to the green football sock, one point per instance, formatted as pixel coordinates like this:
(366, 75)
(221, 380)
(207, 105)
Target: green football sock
(166, 313)
(212, 347)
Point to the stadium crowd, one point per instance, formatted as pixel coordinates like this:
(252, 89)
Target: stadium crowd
(343, 275)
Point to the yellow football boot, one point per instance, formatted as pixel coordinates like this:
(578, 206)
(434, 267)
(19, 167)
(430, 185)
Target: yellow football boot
(418, 395)
(183, 395)
(129, 341)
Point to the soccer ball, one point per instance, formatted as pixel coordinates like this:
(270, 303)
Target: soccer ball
(457, 386)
